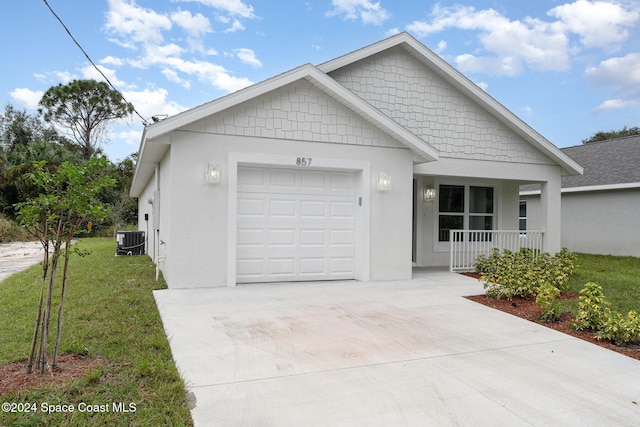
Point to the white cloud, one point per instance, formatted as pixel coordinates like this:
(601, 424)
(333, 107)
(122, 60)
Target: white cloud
(623, 75)
(132, 24)
(153, 101)
(196, 25)
(89, 72)
(235, 26)
(111, 60)
(213, 74)
(173, 77)
(248, 56)
(130, 137)
(365, 10)
(511, 46)
(442, 46)
(615, 104)
(27, 98)
(598, 23)
(232, 7)
(622, 72)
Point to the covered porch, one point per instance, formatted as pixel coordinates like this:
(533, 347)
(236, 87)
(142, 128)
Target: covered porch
(465, 208)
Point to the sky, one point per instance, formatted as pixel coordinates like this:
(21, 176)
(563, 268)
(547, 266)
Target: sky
(567, 68)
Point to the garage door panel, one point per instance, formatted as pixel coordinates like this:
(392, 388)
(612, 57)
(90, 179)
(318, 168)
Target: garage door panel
(295, 225)
(282, 208)
(251, 237)
(282, 237)
(312, 237)
(342, 209)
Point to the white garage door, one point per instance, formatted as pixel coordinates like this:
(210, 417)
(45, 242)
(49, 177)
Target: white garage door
(295, 225)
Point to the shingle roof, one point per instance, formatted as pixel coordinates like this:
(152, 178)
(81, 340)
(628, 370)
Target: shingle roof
(616, 161)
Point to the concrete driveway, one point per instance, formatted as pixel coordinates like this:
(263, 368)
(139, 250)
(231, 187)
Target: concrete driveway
(386, 353)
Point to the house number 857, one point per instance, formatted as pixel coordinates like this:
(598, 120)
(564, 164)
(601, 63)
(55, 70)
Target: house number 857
(303, 161)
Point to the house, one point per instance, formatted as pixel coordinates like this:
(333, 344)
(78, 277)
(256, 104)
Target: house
(357, 168)
(601, 208)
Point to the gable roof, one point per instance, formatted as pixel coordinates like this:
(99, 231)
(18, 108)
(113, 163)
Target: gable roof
(611, 164)
(153, 143)
(465, 86)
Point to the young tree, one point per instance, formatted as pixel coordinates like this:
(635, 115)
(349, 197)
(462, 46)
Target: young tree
(84, 108)
(65, 205)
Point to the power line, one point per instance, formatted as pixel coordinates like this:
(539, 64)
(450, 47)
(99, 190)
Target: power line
(144, 122)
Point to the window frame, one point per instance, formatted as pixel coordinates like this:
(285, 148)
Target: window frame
(466, 214)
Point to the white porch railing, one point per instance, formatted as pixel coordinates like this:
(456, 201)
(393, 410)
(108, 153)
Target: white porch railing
(467, 245)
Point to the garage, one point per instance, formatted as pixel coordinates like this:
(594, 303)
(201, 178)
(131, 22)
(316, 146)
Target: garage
(295, 224)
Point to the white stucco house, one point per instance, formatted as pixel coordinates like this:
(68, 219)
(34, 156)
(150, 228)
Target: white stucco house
(601, 208)
(357, 168)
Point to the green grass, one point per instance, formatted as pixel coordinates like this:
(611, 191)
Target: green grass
(618, 276)
(109, 311)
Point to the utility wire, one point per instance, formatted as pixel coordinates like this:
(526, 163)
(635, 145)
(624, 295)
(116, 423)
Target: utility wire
(91, 61)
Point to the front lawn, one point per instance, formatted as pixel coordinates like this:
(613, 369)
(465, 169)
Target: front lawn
(110, 318)
(618, 276)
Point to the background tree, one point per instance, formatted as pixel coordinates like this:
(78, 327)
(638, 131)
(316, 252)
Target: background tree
(24, 139)
(84, 108)
(612, 134)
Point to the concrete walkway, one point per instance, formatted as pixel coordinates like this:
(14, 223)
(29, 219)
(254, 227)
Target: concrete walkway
(18, 256)
(411, 353)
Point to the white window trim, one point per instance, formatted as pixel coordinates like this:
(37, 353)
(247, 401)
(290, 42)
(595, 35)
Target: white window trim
(439, 246)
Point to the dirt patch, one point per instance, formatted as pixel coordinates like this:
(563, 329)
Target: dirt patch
(13, 376)
(527, 309)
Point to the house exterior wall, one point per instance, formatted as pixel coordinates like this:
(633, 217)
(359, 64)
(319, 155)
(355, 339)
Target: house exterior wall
(407, 91)
(197, 245)
(596, 222)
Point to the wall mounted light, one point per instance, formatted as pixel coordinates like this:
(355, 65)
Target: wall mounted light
(213, 174)
(384, 182)
(428, 194)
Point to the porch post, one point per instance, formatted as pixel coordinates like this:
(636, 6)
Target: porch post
(550, 213)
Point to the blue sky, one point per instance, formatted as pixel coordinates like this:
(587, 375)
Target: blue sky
(568, 68)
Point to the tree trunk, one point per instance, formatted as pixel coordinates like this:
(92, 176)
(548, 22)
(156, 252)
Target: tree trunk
(45, 268)
(63, 293)
(44, 337)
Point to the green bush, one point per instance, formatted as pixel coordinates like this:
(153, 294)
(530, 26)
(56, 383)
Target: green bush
(594, 313)
(593, 308)
(620, 329)
(546, 299)
(509, 274)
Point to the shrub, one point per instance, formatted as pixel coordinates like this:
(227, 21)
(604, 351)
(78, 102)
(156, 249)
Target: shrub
(593, 308)
(509, 274)
(546, 299)
(620, 329)
(12, 232)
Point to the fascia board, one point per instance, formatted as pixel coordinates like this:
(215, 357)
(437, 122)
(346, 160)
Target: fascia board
(588, 188)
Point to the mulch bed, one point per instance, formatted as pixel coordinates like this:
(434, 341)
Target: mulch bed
(13, 376)
(527, 309)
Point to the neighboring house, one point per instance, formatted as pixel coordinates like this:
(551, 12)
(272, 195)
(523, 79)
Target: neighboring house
(600, 209)
(353, 169)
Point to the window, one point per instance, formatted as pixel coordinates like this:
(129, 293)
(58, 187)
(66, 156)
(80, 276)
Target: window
(463, 207)
(523, 215)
